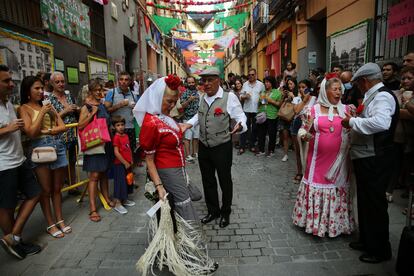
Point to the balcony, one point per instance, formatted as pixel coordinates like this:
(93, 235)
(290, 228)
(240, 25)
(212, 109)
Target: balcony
(273, 6)
(260, 16)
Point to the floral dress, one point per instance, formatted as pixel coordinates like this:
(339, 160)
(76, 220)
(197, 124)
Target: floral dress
(323, 206)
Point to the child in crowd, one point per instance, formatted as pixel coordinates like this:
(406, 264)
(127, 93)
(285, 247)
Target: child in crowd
(122, 165)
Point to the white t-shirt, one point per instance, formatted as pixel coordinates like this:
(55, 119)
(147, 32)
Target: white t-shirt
(11, 150)
(251, 104)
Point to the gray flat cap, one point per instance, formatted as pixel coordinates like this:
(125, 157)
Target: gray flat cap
(212, 71)
(366, 70)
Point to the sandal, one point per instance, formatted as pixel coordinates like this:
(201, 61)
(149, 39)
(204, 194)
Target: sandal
(57, 234)
(241, 151)
(94, 218)
(67, 229)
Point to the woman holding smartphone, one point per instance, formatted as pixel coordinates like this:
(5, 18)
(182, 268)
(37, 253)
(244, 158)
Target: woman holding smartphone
(43, 126)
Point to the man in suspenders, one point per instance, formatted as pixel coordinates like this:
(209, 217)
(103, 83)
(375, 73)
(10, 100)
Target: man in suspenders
(216, 110)
(372, 133)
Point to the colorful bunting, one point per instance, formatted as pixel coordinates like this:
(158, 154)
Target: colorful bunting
(165, 23)
(182, 43)
(225, 41)
(235, 21)
(241, 6)
(206, 44)
(196, 3)
(147, 22)
(204, 55)
(220, 55)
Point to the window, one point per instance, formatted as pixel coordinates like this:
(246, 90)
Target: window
(12, 11)
(388, 49)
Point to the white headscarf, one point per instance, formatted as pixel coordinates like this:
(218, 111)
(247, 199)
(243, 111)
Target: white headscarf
(150, 101)
(323, 100)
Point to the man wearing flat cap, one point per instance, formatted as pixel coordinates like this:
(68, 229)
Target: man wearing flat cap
(372, 132)
(215, 154)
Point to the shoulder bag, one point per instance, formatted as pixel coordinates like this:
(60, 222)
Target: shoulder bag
(286, 112)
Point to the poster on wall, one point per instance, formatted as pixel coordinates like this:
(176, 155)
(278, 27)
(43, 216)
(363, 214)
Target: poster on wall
(73, 75)
(349, 47)
(59, 65)
(68, 18)
(24, 55)
(98, 68)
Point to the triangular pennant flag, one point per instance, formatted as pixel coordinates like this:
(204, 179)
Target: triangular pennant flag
(204, 55)
(220, 54)
(182, 43)
(147, 22)
(165, 23)
(225, 41)
(206, 44)
(235, 21)
(188, 54)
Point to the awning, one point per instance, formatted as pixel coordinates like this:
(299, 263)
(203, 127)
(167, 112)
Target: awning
(273, 47)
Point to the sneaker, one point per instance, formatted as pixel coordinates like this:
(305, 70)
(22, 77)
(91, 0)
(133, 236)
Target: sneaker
(189, 159)
(120, 209)
(285, 158)
(260, 154)
(270, 154)
(30, 248)
(16, 249)
(129, 203)
(195, 155)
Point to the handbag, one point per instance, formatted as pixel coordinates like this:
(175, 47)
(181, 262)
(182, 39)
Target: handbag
(94, 134)
(43, 155)
(195, 193)
(261, 118)
(286, 112)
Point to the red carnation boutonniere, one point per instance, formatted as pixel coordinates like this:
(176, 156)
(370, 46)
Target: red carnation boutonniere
(360, 109)
(218, 111)
(173, 82)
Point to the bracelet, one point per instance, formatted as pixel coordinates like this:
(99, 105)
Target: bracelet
(160, 184)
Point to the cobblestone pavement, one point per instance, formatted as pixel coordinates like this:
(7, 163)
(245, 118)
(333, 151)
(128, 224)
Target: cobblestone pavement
(260, 240)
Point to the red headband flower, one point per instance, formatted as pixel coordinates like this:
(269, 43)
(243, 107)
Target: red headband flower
(331, 76)
(173, 82)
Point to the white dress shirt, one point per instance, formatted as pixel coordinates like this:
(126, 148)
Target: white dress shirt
(251, 104)
(379, 113)
(234, 109)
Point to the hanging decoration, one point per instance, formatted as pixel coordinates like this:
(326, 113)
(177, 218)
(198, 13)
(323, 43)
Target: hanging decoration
(196, 3)
(225, 41)
(241, 6)
(147, 22)
(206, 44)
(220, 55)
(204, 55)
(195, 32)
(165, 23)
(182, 43)
(235, 21)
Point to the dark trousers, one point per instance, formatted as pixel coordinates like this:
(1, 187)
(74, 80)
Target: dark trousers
(251, 132)
(373, 174)
(269, 127)
(211, 160)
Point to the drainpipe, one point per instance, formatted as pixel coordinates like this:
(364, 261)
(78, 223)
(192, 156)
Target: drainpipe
(141, 73)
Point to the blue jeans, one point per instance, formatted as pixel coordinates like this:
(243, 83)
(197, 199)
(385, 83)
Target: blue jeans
(51, 141)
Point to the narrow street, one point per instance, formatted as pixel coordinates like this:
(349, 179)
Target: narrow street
(260, 240)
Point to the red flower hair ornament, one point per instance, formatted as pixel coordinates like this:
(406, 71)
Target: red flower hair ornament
(331, 76)
(173, 82)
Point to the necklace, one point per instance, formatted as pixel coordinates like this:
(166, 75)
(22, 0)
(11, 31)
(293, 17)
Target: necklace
(331, 129)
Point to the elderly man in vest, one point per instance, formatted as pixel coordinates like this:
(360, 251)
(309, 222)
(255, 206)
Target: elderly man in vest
(372, 133)
(216, 110)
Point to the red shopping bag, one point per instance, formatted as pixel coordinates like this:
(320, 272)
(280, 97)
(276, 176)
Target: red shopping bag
(94, 134)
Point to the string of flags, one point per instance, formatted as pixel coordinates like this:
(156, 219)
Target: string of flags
(196, 3)
(158, 6)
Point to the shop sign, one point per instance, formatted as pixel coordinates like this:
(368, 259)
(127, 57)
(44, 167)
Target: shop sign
(401, 20)
(69, 18)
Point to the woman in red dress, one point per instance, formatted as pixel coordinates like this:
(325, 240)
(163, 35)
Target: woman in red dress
(161, 139)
